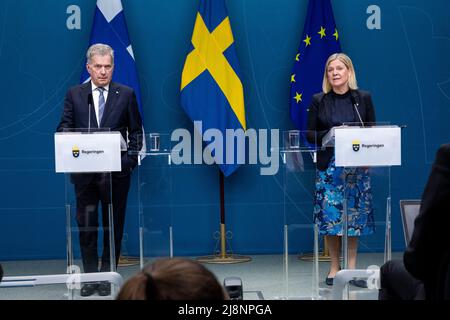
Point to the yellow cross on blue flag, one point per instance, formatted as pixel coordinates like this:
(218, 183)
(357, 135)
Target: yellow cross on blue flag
(211, 86)
(320, 40)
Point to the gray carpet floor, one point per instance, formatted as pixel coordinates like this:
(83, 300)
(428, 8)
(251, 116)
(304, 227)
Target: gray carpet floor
(266, 277)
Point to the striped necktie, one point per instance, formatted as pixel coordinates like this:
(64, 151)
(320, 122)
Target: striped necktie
(101, 104)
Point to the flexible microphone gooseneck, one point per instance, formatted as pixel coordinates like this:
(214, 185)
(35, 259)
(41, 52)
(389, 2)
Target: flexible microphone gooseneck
(90, 100)
(355, 105)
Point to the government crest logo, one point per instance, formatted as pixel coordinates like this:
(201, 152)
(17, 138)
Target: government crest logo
(356, 144)
(75, 152)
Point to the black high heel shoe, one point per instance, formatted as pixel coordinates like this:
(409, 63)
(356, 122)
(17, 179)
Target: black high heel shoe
(329, 281)
(360, 283)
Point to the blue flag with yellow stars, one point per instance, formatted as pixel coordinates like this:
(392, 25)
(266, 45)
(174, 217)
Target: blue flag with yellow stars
(320, 40)
(211, 88)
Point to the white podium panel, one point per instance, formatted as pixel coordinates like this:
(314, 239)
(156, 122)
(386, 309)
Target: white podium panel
(87, 152)
(367, 147)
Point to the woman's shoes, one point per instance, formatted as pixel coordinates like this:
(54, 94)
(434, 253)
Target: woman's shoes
(360, 283)
(329, 281)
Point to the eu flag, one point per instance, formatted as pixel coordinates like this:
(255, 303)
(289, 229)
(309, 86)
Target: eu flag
(320, 40)
(211, 88)
(110, 28)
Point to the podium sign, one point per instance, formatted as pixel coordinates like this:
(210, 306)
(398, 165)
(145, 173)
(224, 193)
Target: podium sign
(87, 152)
(366, 147)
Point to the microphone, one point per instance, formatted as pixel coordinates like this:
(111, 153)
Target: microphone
(355, 105)
(90, 100)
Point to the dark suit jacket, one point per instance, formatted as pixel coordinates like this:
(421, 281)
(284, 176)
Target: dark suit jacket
(427, 255)
(121, 114)
(319, 120)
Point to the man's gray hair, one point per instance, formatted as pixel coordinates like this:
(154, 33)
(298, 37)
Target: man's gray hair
(101, 50)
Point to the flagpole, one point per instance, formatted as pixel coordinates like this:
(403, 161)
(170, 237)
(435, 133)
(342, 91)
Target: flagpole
(225, 96)
(222, 216)
(324, 256)
(222, 256)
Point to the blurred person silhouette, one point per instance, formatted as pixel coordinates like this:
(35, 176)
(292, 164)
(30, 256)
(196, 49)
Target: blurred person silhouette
(424, 271)
(173, 279)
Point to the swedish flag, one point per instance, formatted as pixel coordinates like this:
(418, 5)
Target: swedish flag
(211, 88)
(320, 40)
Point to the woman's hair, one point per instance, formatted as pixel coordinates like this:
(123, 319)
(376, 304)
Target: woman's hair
(173, 279)
(352, 83)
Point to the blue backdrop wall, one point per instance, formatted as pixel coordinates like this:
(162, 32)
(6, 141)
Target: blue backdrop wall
(405, 65)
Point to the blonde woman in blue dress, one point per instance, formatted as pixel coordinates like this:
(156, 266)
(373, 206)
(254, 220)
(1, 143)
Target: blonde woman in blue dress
(340, 102)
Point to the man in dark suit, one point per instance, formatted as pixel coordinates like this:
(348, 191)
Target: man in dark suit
(101, 103)
(424, 271)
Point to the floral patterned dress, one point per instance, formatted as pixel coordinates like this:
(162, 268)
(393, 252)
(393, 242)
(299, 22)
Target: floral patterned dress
(329, 199)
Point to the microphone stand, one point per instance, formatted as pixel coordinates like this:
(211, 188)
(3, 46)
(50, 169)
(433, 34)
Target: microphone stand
(355, 105)
(89, 112)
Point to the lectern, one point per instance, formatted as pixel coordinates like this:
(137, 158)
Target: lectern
(155, 197)
(79, 154)
(300, 234)
(373, 149)
(82, 152)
